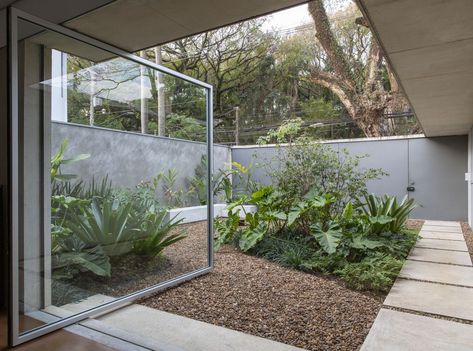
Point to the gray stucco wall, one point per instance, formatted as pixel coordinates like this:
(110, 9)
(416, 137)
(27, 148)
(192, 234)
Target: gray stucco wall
(436, 166)
(130, 158)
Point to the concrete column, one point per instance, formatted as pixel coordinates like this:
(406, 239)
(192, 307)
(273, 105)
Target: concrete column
(33, 121)
(3, 176)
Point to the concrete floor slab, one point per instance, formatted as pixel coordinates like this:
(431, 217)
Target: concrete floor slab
(441, 235)
(442, 223)
(437, 228)
(442, 244)
(186, 334)
(441, 299)
(440, 256)
(436, 272)
(399, 331)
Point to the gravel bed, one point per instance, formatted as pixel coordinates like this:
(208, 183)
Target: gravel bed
(415, 224)
(468, 235)
(259, 297)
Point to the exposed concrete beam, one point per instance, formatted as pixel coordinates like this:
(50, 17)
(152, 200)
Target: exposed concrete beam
(429, 44)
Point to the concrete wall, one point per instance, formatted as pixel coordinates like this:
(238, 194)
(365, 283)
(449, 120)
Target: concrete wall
(436, 166)
(129, 158)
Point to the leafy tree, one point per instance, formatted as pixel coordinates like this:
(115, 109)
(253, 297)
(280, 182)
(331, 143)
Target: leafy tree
(355, 70)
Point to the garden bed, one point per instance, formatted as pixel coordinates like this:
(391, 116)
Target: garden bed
(263, 298)
(131, 273)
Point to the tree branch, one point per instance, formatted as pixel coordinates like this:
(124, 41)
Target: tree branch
(327, 39)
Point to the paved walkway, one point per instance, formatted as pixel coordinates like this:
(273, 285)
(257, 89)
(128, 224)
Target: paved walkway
(430, 306)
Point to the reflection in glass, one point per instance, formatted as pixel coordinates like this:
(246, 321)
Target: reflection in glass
(123, 155)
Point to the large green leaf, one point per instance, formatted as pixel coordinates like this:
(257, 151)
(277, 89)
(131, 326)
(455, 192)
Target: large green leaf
(93, 260)
(381, 219)
(292, 216)
(250, 237)
(328, 239)
(347, 213)
(363, 243)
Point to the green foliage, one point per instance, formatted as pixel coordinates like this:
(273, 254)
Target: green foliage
(154, 235)
(307, 166)
(68, 263)
(328, 238)
(372, 273)
(58, 160)
(198, 182)
(287, 132)
(386, 214)
(104, 223)
(93, 222)
(185, 127)
(311, 219)
(285, 249)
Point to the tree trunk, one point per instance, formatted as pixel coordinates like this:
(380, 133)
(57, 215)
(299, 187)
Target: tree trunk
(161, 98)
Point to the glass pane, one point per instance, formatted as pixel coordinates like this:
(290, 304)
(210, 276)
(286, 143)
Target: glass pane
(113, 177)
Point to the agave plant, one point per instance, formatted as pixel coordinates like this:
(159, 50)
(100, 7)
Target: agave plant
(386, 214)
(155, 235)
(106, 224)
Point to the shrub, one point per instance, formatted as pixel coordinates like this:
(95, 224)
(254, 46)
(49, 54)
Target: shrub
(310, 166)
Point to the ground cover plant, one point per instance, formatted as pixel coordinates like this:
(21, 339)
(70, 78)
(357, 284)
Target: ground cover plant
(317, 216)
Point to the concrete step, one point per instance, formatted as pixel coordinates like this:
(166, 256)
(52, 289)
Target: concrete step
(184, 334)
(437, 228)
(399, 331)
(442, 244)
(441, 235)
(441, 299)
(440, 256)
(442, 223)
(436, 272)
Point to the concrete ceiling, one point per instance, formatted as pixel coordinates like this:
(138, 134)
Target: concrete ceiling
(430, 46)
(136, 24)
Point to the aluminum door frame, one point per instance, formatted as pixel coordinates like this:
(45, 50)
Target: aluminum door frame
(14, 195)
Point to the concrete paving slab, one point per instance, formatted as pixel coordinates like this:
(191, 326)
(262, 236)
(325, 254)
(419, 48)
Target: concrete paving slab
(437, 272)
(442, 244)
(442, 223)
(436, 228)
(186, 334)
(440, 256)
(444, 300)
(441, 235)
(399, 331)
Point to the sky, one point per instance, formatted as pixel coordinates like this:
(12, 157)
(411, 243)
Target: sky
(297, 16)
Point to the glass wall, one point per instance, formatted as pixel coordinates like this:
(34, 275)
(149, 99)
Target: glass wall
(113, 167)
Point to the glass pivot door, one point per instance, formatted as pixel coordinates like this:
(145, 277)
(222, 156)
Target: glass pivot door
(109, 155)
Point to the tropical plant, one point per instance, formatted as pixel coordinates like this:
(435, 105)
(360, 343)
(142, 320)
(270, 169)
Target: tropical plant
(175, 197)
(155, 234)
(386, 214)
(58, 160)
(73, 257)
(104, 223)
